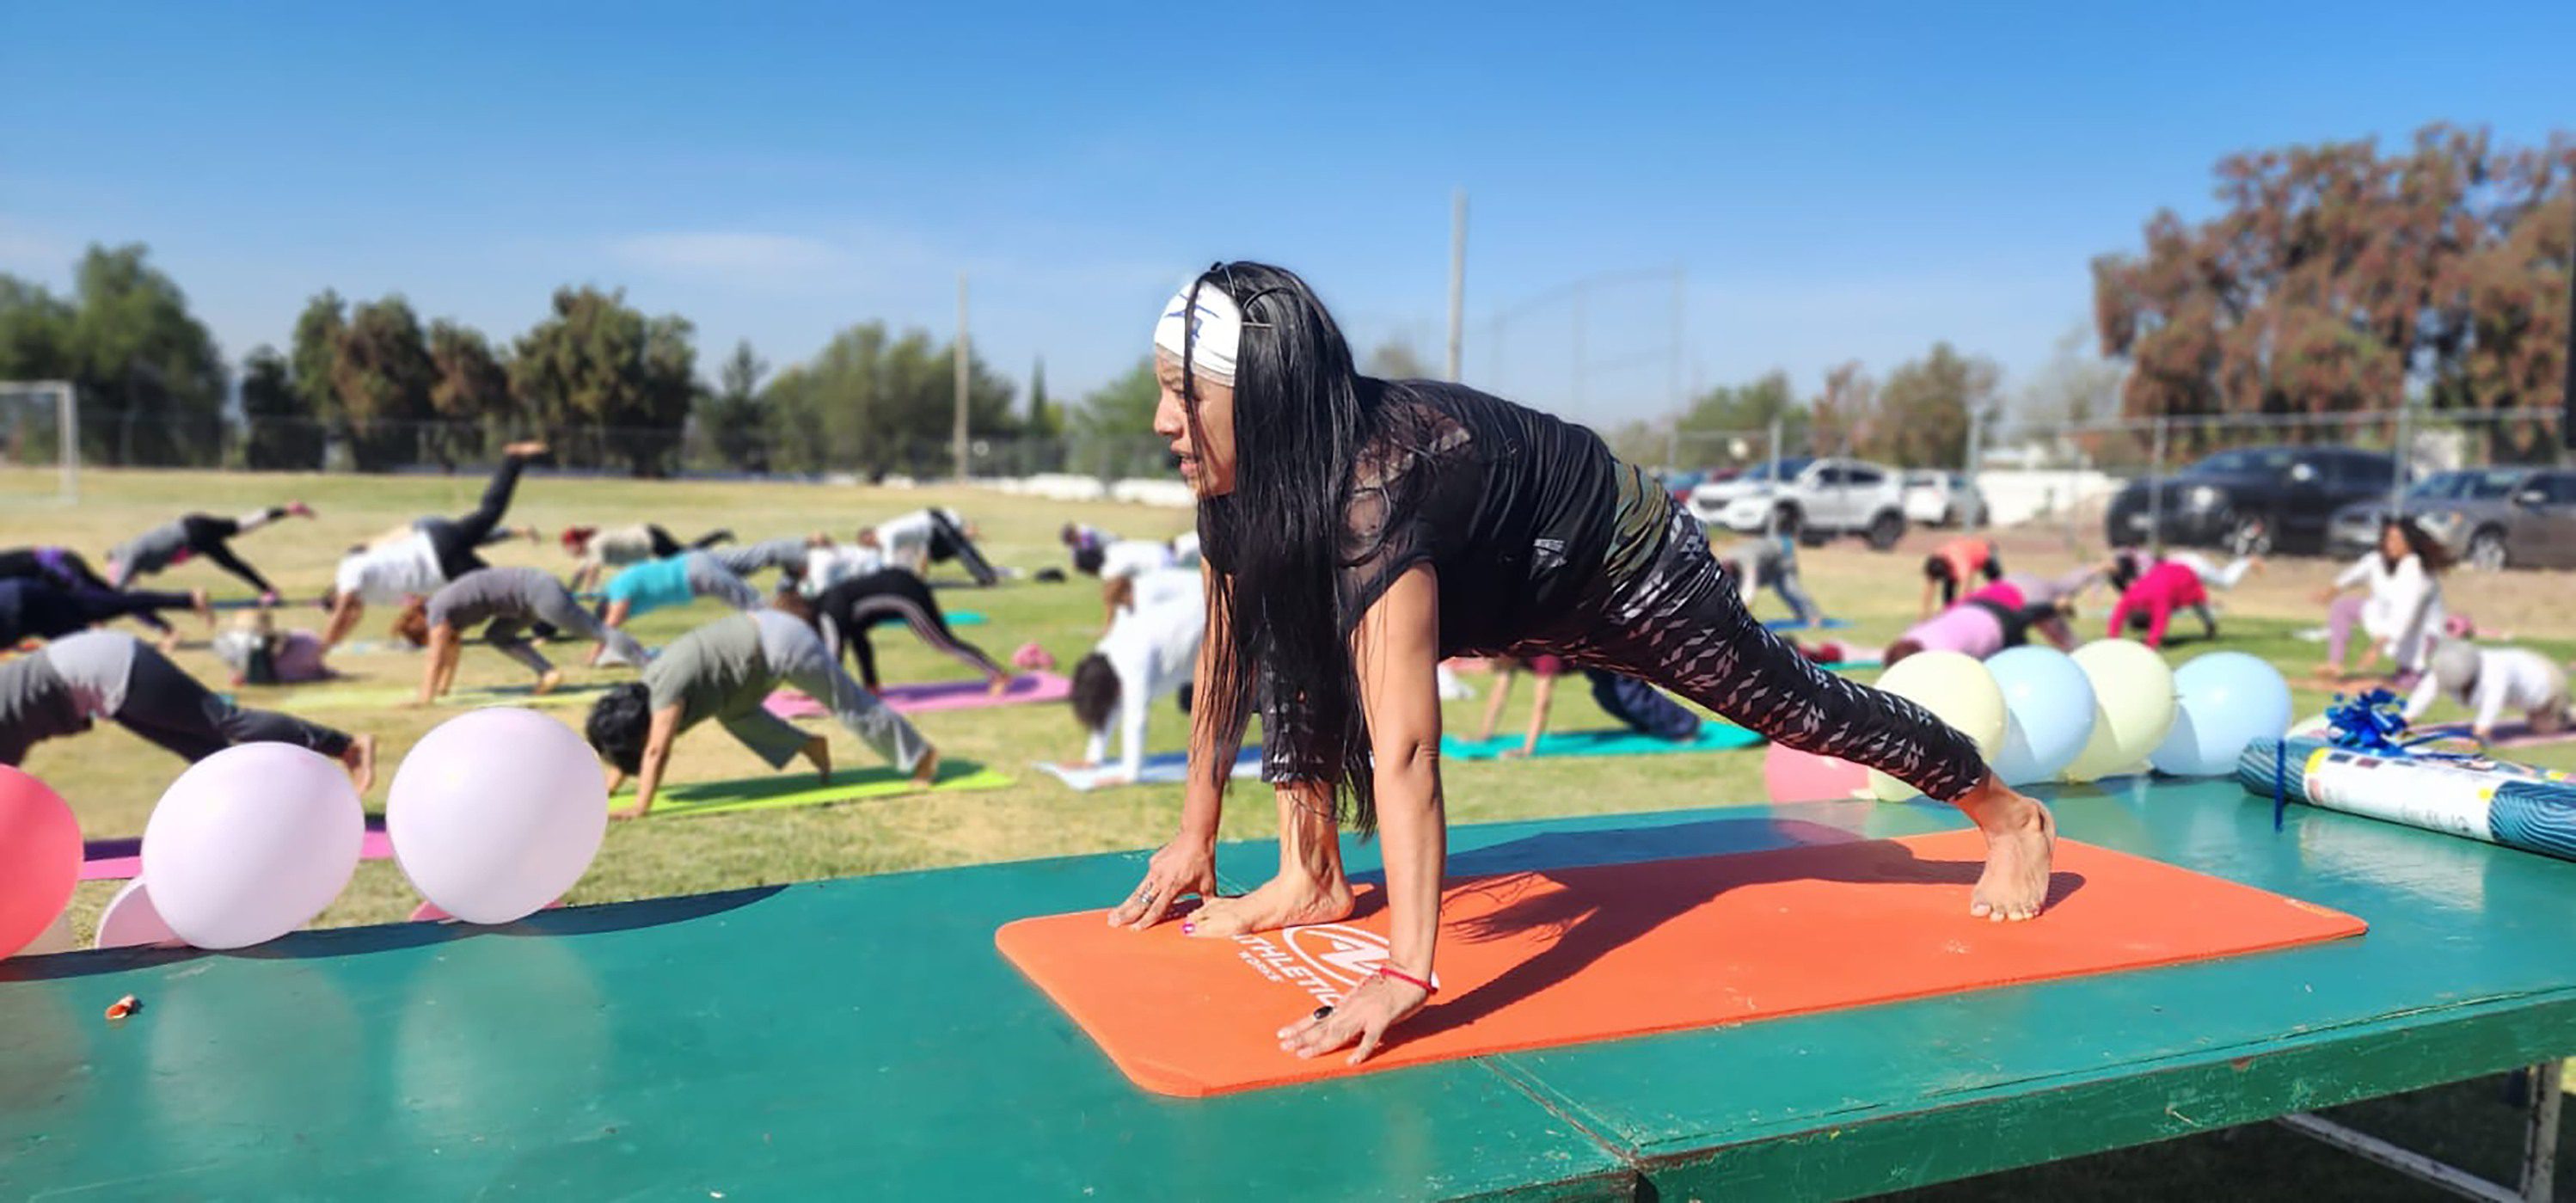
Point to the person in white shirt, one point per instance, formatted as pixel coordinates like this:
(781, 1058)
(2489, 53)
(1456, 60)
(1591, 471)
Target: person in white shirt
(2402, 612)
(434, 551)
(921, 538)
(2491, 681)
(828, 563)
(1149, 653)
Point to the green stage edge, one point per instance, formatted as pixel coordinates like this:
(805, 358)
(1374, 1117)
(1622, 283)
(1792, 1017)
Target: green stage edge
(863, 1037)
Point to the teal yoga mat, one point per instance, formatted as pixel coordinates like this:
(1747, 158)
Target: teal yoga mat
(1713, 737)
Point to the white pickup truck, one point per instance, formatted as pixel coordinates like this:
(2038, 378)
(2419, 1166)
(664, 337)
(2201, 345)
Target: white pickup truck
(1814, 499)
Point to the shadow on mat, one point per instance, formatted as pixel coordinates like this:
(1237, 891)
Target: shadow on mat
(1587, 924)
(349, 941)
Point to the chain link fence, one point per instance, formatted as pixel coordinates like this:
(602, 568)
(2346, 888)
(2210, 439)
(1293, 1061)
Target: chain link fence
(30, 437)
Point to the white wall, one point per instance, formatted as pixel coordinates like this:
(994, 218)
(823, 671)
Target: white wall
(2015, 497)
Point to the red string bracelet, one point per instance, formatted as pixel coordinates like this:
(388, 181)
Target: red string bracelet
(1426, 987)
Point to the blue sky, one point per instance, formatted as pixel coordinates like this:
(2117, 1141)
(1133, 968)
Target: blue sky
(1835, 182)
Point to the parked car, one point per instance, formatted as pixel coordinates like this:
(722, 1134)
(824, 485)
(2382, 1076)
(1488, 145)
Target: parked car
(2492, 518)
(1709, 499)
(2354, 529)
(1943, 499)
(2251, 500)
(1814, 499)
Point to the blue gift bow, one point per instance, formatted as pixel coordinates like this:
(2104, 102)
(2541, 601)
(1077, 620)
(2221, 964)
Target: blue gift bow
(2369, 722)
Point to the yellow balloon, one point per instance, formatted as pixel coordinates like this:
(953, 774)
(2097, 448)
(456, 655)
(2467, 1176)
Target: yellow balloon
(1955, 687)
(2133, 707)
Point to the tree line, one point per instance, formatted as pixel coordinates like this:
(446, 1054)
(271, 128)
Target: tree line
(615, 387)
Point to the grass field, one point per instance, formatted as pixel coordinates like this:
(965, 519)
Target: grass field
(113, 779)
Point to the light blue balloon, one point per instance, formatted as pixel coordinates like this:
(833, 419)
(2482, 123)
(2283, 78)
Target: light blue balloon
(2049, 702)
(2225, 700)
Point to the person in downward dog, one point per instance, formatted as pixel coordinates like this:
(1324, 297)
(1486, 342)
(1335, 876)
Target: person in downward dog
(1356, 531)
(1150, 652)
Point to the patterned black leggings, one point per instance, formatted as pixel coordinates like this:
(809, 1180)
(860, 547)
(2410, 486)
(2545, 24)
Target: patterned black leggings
(1680, 625)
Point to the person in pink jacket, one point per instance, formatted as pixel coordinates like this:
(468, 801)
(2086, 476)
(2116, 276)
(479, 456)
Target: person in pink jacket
(2164, 587)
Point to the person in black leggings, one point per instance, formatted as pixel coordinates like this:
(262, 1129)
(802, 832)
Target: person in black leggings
(191, 535)
(414, 563)
(64, 569)
(70, 683)
(1358, 531)
(37, 610)
(844, 612)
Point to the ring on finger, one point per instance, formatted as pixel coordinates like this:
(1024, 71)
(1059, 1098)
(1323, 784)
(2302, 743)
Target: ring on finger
(1323, 1012)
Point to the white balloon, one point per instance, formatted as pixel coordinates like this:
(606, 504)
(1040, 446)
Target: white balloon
(251, 843)
(496, 813)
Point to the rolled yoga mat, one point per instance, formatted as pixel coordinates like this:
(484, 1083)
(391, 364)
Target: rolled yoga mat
(2513, 805)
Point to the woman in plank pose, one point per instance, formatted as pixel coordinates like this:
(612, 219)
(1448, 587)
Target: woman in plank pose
(191, 535)
(38, 609)
(433, 551)
(72, 682)
(844, 612)
(506, 602)
(618, 546)
(65, 570)
(1356, 531)
(724, 671)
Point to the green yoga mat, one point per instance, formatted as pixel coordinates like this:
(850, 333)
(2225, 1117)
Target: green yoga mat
(384, 697)
(1713, 737)
(798, 789)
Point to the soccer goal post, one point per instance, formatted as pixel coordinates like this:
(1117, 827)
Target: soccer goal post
(42, 417)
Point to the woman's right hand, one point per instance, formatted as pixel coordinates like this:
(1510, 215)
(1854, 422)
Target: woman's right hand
(1187, 865)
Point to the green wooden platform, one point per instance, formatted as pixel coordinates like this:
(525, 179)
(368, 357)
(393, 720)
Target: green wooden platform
(863, 1038)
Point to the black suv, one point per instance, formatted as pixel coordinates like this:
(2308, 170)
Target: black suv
(2250, 500)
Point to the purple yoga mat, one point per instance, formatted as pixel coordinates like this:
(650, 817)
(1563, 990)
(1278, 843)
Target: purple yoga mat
(945, 695)
(121, 860)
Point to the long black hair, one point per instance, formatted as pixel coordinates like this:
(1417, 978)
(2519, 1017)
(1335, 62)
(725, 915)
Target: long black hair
(619, 722)
(2437, 557)
(1303, 418)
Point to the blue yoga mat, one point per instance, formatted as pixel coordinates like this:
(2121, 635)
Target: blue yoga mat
(1791, 624)
(1620, 741)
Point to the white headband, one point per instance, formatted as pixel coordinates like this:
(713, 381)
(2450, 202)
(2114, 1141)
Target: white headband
(1214, 333)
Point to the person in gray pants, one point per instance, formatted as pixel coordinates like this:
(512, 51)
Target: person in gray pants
(508, 601)
(724, 671)
(65, 686)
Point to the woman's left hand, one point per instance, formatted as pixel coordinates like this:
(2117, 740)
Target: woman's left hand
(1378, 1004)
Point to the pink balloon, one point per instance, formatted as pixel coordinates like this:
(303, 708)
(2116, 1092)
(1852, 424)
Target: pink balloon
(40, 858)
(1794, 776)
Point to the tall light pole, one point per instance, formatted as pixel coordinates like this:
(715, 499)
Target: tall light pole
(1457, 282)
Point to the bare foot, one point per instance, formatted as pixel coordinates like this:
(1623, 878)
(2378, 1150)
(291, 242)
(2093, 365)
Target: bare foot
(360, 757)
(1280, 902)
(926, 772)
(2021, 836)
(527, 450)
(547, 682)
(999, 686)
(169, 642)
(299, 509)
(204, 607)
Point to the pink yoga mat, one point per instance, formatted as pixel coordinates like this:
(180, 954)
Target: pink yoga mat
(945, 695)
(376, 846)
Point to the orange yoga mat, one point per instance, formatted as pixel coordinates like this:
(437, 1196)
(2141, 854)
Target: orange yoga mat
(1563, 956)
